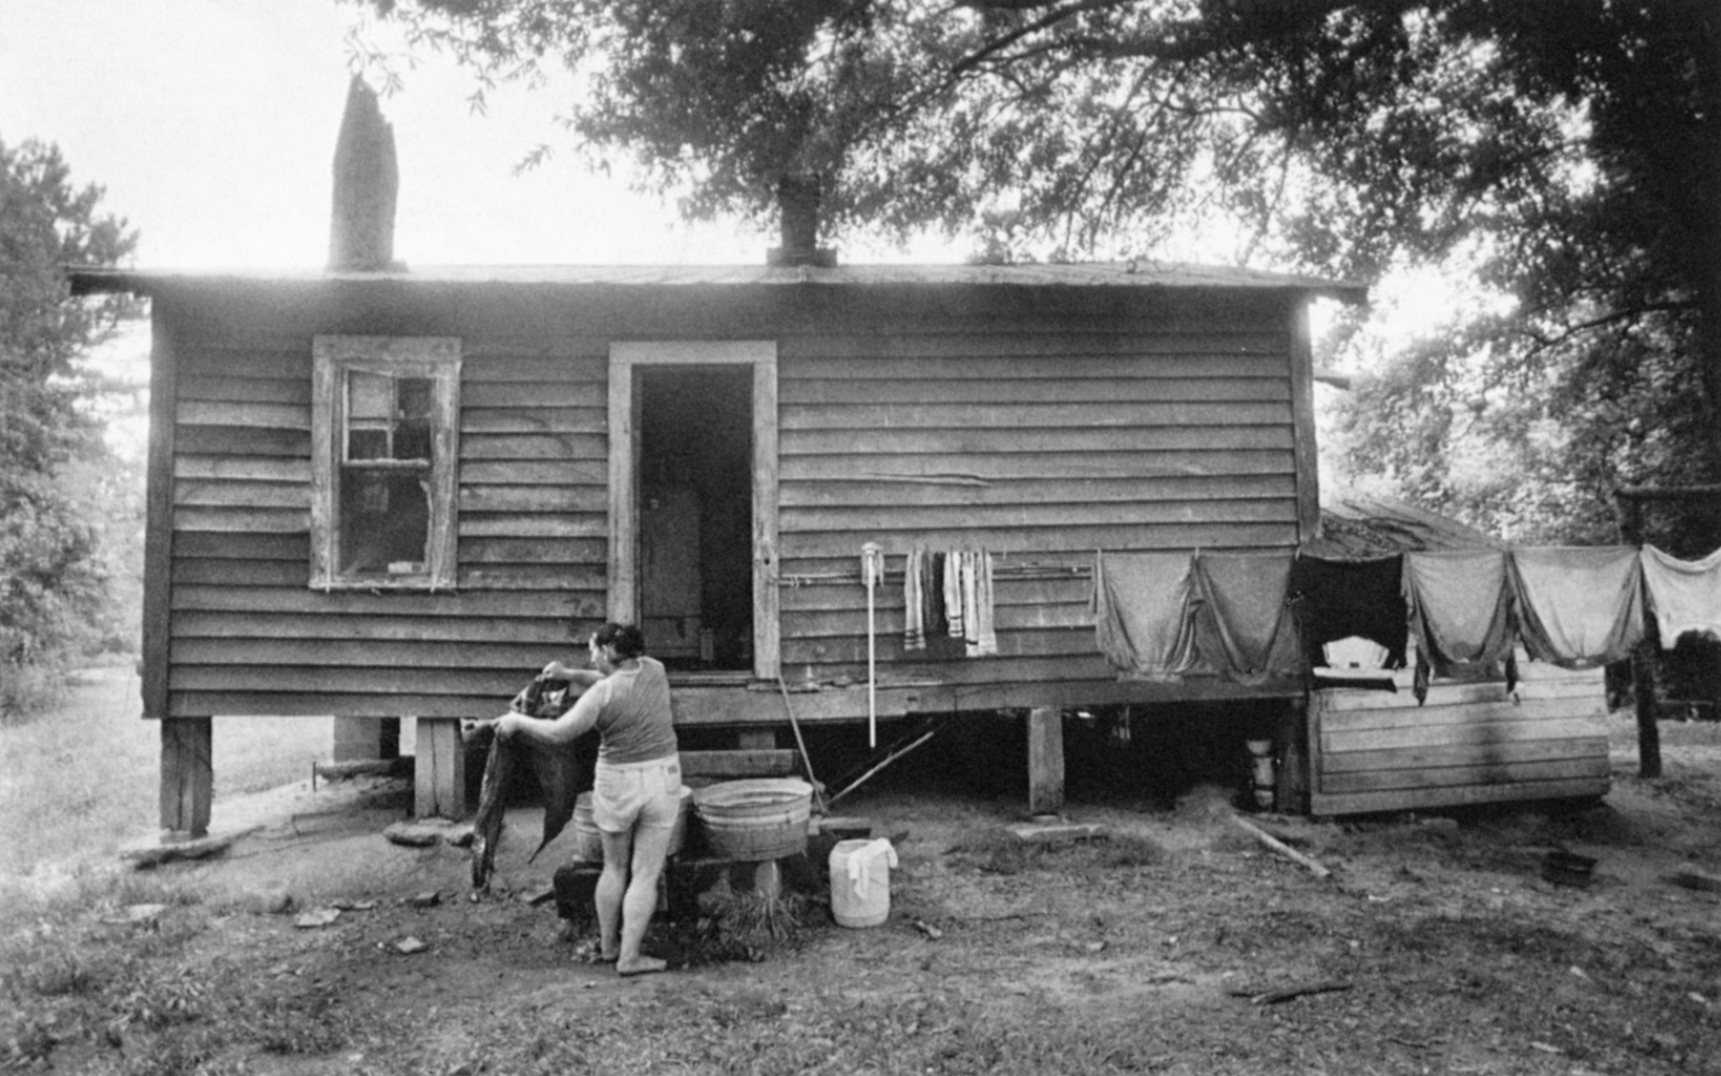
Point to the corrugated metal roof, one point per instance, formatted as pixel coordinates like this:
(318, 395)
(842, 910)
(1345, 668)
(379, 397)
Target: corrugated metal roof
(88, 280)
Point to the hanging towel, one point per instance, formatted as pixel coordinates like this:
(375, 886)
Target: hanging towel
(932, 595)
(1460, 612)
(980, 635)
(1243, 626)
(1578, 607)
(952, 585)
(1686, 594)
(1336, 599)
(913, 601)
(1144, 614)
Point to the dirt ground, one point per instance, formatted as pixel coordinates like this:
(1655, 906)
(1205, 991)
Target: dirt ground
(1435, 946)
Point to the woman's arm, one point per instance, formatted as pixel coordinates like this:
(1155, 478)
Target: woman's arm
(579, 719)
(555, 670)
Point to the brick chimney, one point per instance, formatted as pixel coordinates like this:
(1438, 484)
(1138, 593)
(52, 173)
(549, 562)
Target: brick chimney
(798, 201)
(367, 180)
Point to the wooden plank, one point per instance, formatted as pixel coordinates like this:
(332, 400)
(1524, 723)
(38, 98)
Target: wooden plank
(242, 469)
(753, 763)
(534, 394)
(1347, 700)
(839, 623)
(1076, 641)
(1486, 773)
(1022, 492)
(518, 472)
(954, 391)
(536, 359)
(242, 520)
(240, 573)
(532, 420)
(259, 648)
(497, 684)
(1045, 760)
(241, 494)
(1097, 352)
(1303, 410)
(1065, 517)
(1466, 731)
(1003, 441)
(439, 776)
(231, 441)
(1324, 804)
(533, 577)
(534, 446)
(262, 359)
(1454, 756)
(247, 390)
(534, 499)
(622, 525)
(204, 545)
(551, 635)
(187, 774)
(850, 596)
(248, 415)
(477, 551)
(379, 603)
(767, 517)
(993, 467)
(514, 525)
(1054, 416)
(300, 704)
(1020, 540)
(158, 539)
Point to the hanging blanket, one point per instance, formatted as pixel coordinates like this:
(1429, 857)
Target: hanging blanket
(563, 772)
(1686, 594)
(1578, 607)
(1336, 599)
(1144, 614)
(1460, 613)
(1243, 626)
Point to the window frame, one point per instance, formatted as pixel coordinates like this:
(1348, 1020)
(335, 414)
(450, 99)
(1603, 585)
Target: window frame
(435, 358)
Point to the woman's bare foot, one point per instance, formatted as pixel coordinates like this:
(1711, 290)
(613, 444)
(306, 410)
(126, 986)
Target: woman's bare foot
(644, 965)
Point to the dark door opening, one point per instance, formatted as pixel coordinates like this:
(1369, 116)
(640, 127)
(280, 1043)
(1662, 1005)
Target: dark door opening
(695, 467)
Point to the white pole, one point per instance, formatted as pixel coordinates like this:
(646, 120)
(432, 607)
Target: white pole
(872, 571)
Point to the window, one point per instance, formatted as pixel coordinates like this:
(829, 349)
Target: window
(385, 438)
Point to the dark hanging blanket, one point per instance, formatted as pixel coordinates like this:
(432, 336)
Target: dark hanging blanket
(562, 773)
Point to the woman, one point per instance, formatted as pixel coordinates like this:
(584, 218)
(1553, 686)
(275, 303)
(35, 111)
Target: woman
(636, 796)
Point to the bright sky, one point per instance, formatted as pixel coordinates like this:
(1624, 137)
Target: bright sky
(212, 124)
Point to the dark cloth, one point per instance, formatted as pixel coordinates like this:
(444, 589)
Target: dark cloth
(1336, 599)
(562, 772)
(1243, 625)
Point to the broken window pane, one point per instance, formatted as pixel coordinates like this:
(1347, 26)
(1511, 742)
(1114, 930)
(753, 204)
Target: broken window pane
(385, 522)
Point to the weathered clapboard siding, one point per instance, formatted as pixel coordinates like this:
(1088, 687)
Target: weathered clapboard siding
(1470, 743)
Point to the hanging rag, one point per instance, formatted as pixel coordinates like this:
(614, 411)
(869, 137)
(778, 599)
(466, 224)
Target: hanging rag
(1578, 607)
(1144, 614)
(932, 595)
(914, 601)
(978, 631)
(1460, 613)
(563, 772)
(1686, 594)
(952, 587)
(1243, 625)
(1338, 599)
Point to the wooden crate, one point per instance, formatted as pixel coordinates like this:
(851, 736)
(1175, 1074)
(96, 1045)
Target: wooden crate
(1471, 742)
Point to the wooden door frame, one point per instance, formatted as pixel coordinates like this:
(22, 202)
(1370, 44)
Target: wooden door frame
(761, 355)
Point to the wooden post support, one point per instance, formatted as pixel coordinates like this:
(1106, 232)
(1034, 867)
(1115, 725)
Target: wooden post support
(439, 770)
(1643, 689)
(1291, 795)
(1045, 760)
(364, 739)
(187, 774)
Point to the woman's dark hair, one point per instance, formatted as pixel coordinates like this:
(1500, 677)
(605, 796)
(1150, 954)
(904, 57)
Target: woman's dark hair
(627, 639)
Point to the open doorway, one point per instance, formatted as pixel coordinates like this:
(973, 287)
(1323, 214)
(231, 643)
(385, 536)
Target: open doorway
(695, 487)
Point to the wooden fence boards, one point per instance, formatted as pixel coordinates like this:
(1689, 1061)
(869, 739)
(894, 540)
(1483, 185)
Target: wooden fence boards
(1470, 743)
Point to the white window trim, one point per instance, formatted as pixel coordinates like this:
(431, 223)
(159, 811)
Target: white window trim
(433, 357)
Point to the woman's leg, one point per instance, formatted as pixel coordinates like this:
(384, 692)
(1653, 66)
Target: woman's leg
(650, 850)
(611, 889)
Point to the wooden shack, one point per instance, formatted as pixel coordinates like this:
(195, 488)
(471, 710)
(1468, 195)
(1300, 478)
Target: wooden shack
(398, 493)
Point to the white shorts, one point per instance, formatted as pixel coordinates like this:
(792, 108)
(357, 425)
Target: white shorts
(646, 795)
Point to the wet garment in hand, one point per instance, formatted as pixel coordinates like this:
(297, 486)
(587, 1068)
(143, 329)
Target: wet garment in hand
(1336, 599)
(1685, 594)
(1144, 613)
(1243, 626)
(563, 772)
(1578, 607)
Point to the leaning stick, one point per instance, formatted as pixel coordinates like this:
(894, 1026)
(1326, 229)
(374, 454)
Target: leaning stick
(1272, 843)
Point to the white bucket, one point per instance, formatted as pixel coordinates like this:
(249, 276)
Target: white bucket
(860, 882)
